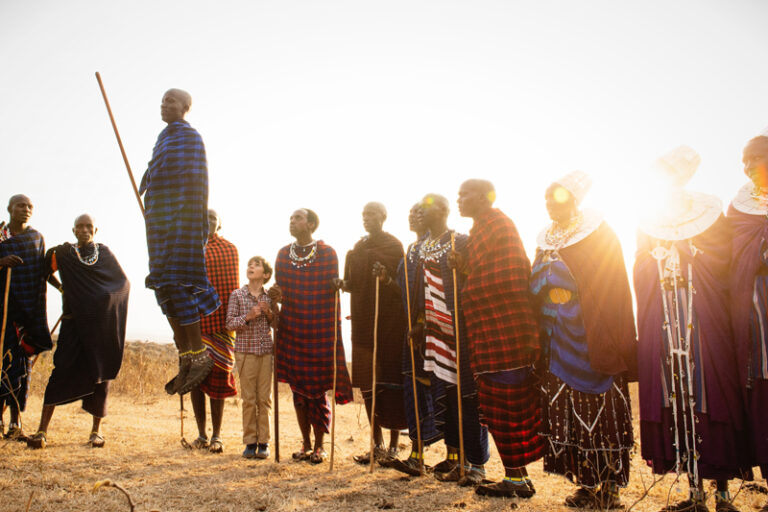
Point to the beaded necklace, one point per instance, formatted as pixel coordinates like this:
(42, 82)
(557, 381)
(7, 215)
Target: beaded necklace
(433, 250)
(759, 196)
(91, 259)
(302, 261)
(557, 235)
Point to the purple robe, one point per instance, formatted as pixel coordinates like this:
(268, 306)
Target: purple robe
(749, 232)
(719, 428)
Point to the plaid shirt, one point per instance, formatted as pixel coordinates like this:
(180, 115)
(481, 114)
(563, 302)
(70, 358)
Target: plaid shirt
(501, 325)
(26, 299)
(176, 202)
(254, 336)
(221, 261)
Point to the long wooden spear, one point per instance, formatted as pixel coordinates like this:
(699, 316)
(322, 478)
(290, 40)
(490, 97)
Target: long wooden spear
(373, 384)
(458, 359)
(335, 370)
(277, 405)
(419, 443)
(120, 142)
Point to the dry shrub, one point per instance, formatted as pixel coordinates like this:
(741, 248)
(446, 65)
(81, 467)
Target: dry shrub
(147, 366)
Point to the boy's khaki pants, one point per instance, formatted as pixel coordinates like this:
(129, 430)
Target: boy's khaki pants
(255, 372)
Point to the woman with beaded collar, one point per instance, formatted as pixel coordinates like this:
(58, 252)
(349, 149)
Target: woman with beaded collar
(305, 270)
(587, 334)
(691, 411)
(748, 216)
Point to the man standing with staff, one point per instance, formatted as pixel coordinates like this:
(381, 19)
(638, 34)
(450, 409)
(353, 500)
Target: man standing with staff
(503, 337)
(375, 250)
(176, 214)
(22, 280)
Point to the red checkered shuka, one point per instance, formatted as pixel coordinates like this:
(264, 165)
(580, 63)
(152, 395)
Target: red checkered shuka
(513, 416)
(304, 339)
(501, 325)
(222, 264)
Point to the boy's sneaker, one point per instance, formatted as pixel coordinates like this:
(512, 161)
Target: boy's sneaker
(250, 451)
(263, 451)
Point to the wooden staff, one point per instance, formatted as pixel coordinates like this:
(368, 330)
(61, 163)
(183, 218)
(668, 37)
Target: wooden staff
(5, 305)
(184, 442)
(373, 385)
(277, 405)
(335, 370)
(119, 142)
(419, 443)
(458, 359)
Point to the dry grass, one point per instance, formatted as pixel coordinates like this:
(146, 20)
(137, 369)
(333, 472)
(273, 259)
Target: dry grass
(144, 456)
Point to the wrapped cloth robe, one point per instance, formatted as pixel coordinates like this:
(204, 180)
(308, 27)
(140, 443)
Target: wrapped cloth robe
(305, 334)
(503, 337)
(89, 350)
(718, 408)
(221, 261)
(749, 314)
(176, 215)
(410, 289)
(585, 308)
(26, 318)
(442, 321)
(392, 327)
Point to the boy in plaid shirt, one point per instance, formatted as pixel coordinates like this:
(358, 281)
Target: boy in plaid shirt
(251, 313)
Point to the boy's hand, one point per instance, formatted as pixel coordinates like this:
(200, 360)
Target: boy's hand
(337, 284)
(255, 312)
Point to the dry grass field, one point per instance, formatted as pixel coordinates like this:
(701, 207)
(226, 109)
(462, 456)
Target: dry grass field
(143, 454)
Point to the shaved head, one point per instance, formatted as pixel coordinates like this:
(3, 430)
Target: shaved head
(376, 206)
(436, 200)
(483, 187)
(18, 198)
(85, 218)
(183, 96)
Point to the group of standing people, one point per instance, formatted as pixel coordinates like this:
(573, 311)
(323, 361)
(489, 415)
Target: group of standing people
(454, 337)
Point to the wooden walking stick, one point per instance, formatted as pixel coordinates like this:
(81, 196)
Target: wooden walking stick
(419, 443)
(277, 405)
(184, 442)
(373, 384)
(119, 142)
(335, 369)
(5, 305)
(458, 359)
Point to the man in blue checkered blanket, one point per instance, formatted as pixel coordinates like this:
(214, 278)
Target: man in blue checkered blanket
(175, 188)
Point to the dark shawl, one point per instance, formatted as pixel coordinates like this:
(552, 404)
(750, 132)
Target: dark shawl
(26, 301)
(392, 326)
(597, 265)
(501, 323)
(176, 203)
(96, 298)
(710, 280)
(749, 232)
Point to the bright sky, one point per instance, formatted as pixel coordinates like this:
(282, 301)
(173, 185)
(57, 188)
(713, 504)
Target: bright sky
(331, 104)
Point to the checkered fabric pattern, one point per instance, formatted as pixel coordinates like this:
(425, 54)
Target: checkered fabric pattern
(221, 261)
(176, 208)
(255, 336)
(513, 416)
(501, 324)
(186, 303)
(26, 299)
(220, 383)
(304, 340)
(318, 412)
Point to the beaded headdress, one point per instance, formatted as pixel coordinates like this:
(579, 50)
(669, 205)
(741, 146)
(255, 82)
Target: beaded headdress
(679, 165)
(577, 183)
